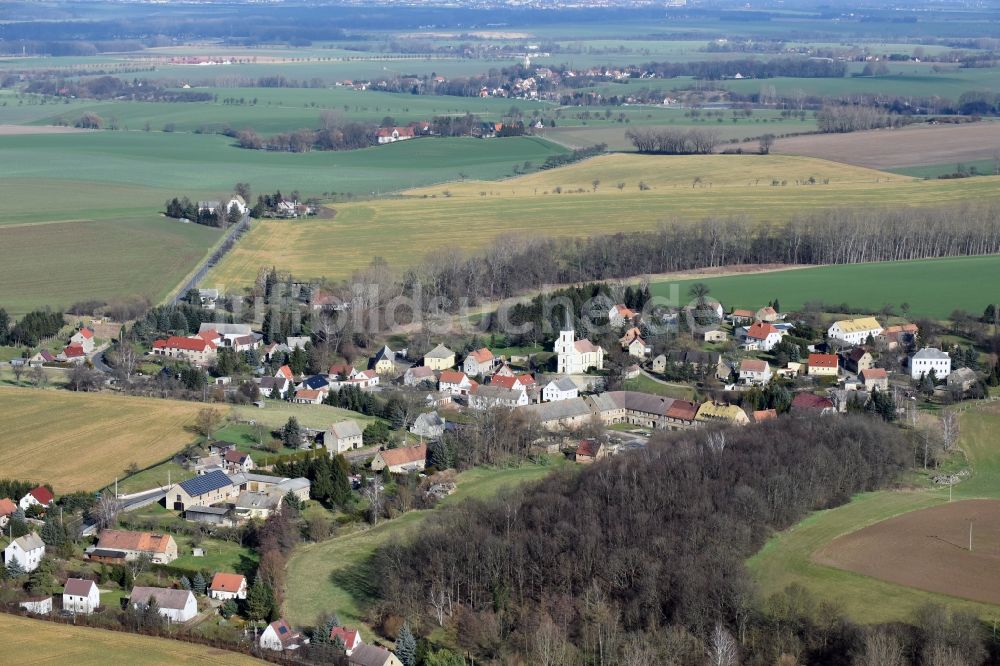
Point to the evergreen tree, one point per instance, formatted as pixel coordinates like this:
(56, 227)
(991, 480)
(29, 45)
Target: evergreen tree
(198, 584)
(185, 583)
(406, 646)
(776, 306)
(322, 482)
(340, 481)
(42, 580)
(15, 570)
(291, 433)
(338, 643)
(52, 532)
(260, 600)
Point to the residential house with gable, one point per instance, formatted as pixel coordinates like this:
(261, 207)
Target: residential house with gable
(174, 605)
(38, 496)
(27, 550)
(401, 460)
(760, 336)
(439, 358)
(343, 436)
(479, 362)
(81, 596)
(854, 331)
(822, 365)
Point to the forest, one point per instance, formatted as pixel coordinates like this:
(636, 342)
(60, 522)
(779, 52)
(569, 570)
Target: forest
(640, 559)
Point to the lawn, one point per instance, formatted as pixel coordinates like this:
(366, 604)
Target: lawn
(787, 557)
(28, 641)
(331, 575)
(107, 259)
(276, 413)
(82, 441)
(933, 288)
(645, 384)
(683, 189)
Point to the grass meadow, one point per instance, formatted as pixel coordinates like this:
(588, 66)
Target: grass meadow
(787, 557)
(684, 189)
(934, 288)
(331, 575)
(29, 641)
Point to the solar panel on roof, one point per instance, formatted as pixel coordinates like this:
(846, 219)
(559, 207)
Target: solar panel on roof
(206, 483)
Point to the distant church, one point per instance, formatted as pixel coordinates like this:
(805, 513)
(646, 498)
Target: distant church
(575, 357)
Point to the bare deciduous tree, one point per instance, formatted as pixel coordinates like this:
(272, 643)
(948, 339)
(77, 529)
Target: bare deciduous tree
(723, 649)
(374, 493)
(949, 429)
(106, 510)
(882, 648)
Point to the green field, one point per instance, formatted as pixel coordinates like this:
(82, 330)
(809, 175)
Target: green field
(786, 559)
(983, 167)
(686, 189)
(934, 288)
(28, 641)
(331, 576)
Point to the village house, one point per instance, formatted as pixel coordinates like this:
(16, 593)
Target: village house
(575, 357)
(858, 359)
(384, 361)
(394, 134)
(928, 359)
(454, 382)
(511, 382)
(341, 371)
(419, 374)
(560, 389)
(84, 338)
(768, 314)
(81, 596)
(854, 331)
(739, 316)
(228, 586)
(175, 605)
(963, 379)
(39, 496)
(285, 372)
(810, 403)
(822, 365)
(7, 509)
(273, 387)
(754, 372)
(485, 397)
(479, 362)
(208, 298)
(343, 436)
(619, 315)
(560, 414)
(439, 358)
(310, 396)
(713, 412)
(900, 335)
(256, 505)
(234, 462)
(590, 450)
(42, 357)
(279, 637)
(875, 379)
(351, 638)
(116, 546)
(401, 460)
(760, 336)
(372, 655)
(204, 490)
(72, 354)
(639, 348)
(429, 425)
(363, 380)
(227, 333)
(27, 551)
(196, 350)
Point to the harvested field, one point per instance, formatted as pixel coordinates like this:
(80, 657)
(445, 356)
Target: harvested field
(928, 550)
(892, 148)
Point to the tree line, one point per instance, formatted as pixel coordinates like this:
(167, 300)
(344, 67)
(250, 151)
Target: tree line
(664, 141)
(638, 549)
(33, 327)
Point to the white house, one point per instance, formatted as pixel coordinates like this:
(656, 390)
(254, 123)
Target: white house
(854, 331)
(175, 605)
(575, 357)
(927, 359)
(84, 338)
(40, 496)
(228, 586)
(560, 389)
(754, 372)
(454, 382)
(343, 436)
(38, 605)
(760, 337)
(81, 596)
(351, 638)
(619, 314)
(489, 396)
(479, 362)
(279, 637)
(27, 550)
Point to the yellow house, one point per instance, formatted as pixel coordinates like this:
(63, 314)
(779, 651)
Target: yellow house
(710, 412)
(383, 362)
(440, 358)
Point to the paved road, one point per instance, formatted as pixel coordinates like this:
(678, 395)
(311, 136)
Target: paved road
(131, 504)
(232, 235)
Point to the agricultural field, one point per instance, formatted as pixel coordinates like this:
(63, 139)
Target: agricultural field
(330, 575)
(82, 441)
(934, 288)
(791, 556)
(683, 188)
(25, 640)
(902, 149)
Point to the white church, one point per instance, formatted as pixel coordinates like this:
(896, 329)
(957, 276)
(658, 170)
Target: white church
(575, 357)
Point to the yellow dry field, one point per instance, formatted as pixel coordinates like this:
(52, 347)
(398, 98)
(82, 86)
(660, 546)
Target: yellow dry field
(27, 641)
(681, 189)
(82, 441)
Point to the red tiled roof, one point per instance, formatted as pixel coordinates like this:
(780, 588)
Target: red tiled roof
(227, 582)
(73, 351)
(286, 372)
(86, 332)
(760, 331)
(234, 456)
(683, 410)
(7, 506)
(753, 365)
(822, 360)
(341, 369)
(811, 401)
(349, 636)
(482, 355)
(211, 335)
(746, 314)
(874, 373)
(405, 455)
(138, 541)
(309, 394)
(764, 415)
(452, 377)
(42, 494)
(585, 346)
(588, 447)
(185, 344)
(504, 381)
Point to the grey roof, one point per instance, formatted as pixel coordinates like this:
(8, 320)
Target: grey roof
(563, 384)
(561, 409)
(931, 353)
(264, 478)
(254, 500)
(209, 204)
(206, 483)
(226, 329)
(368, 655)
(30, 541)
(641, 402)
(962, 375)
(497, 393)
(439, 352)
(165, 598)
(430, 419)
(213, 510)
(345, 429)
(274, 383)
(291, 485)
(602, 402)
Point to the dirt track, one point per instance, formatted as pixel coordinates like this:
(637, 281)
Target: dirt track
(928, 550)
(909, 146)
